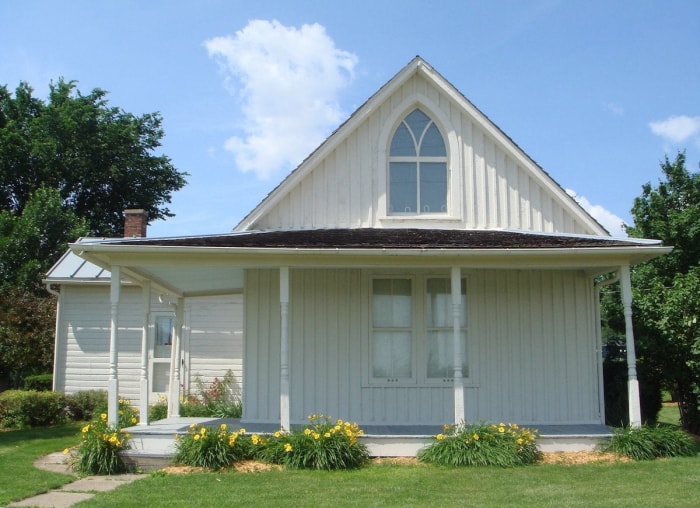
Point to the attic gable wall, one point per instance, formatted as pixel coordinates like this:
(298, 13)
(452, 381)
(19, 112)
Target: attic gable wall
(490, 185)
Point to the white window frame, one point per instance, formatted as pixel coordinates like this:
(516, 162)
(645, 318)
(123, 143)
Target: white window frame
(161, 360)
(419, 160)
(419, 336)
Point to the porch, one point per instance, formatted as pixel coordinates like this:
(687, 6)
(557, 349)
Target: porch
(153, 446)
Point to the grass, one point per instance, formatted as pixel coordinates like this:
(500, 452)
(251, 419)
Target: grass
(18, 451)
(669, 414)
(671, 482)
(667, 482)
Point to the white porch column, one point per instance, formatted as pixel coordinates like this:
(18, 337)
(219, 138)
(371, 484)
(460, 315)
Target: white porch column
(143, 387)
(113, 381)
(175, 359)
(635, 412)
(456, 286)
(284, 348)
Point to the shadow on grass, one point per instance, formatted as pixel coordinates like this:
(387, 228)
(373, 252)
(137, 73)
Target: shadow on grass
(11, 437)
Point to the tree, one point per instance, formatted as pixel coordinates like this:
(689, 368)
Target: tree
(667, 289)
(31, 242)
(69, 167)
(100, 158)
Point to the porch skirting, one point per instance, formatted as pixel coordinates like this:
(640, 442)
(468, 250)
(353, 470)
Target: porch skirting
(153, 446)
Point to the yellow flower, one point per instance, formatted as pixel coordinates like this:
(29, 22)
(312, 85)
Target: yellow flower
(519, 441)
(501, 430)
(476, 437)
(440, 437)
(66, 451)
(203, 431)
(287, 447)
(447, 427)
(85, 429)
(223, 426)
(337, 428)
(278, 434)
(307, 431)
(327, 435)
(103, 416)
(193, 425)
(255, 439)
(316, 435)
(196, 437)
(241, 431)
(134, 420)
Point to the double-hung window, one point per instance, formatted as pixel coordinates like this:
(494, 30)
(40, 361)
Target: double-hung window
(392, 329)
(412, 334)
(440, 329)
(417, 167)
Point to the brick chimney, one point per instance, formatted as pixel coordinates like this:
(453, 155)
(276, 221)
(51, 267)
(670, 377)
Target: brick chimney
(135, 223)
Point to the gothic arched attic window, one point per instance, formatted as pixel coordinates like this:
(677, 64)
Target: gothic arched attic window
(417, 167)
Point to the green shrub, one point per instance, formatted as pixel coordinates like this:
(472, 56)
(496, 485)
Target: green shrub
(213, 448)
(98, 452)
(38, 382)
(323, 444)
(482, 445)
(158, 410)
(128, 415)
(219, 399)
(20, 409)
(83, 405)
(650, 442)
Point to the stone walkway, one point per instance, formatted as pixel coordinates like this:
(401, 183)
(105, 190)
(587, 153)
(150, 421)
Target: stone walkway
(72, 493)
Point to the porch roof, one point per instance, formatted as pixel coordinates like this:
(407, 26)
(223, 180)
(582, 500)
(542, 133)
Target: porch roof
(370, 238)
(215, 264)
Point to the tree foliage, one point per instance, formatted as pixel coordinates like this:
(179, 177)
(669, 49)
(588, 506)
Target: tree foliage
(667, 289)
(32, 241)
(69, 167)
(100, 158)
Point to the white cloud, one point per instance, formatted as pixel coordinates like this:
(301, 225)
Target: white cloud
(288, 80)
(606, 218)
(677, 129)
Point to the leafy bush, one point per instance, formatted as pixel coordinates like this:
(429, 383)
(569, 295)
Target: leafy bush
(482, 445)
(20, 409)
(219, 399)
(38, 382)
(128, 415)
(323, 444)
(650, 442)
(158, 410)
(83, 405)
(98, 452)
(213, 448)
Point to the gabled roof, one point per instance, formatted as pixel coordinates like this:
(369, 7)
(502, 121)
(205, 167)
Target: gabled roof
(416, 65)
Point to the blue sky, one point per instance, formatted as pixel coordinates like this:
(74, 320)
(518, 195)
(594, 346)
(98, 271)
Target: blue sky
(596, 92)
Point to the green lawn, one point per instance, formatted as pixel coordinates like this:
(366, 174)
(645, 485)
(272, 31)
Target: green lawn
(674, 482)
(20, 448)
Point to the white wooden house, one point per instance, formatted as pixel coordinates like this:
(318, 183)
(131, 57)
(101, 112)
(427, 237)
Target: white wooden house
(418, 268)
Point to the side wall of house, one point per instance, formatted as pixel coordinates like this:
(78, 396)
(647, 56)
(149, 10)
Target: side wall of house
(212, 341)
(531, 348)
(490, 184)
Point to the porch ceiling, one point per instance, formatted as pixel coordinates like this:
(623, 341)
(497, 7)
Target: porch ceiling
(210, 265)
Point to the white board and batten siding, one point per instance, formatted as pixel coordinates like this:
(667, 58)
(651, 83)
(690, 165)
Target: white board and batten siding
(531, 349)
(492, 185)
(212, 339)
